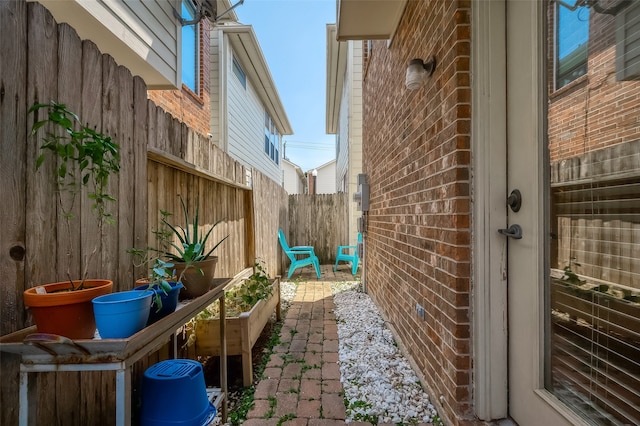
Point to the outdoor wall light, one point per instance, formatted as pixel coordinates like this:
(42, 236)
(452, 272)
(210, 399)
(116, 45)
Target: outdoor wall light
(418, 71)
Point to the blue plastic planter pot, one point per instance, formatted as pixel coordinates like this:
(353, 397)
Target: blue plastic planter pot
(122, 314)
(174, 393)
(169, 302)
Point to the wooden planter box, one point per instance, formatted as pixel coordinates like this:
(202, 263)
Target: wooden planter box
(242, 332)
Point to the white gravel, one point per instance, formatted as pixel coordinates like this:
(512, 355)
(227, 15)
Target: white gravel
(379, 383)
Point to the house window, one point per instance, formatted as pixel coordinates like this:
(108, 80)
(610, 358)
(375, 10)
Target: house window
(190, 49)
(271, 139)
(237, 70)
(572, 37)
(627, 52)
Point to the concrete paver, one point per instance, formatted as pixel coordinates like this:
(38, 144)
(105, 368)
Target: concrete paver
(301, 383)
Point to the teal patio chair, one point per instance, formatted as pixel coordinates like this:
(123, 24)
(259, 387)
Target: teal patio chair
(348, 254)
(299, 256)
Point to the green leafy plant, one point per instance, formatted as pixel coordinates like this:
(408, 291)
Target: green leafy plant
(83, 157)
(569, 276)
(160, 271)
(242, 297)
(192, 247)
(160, 274)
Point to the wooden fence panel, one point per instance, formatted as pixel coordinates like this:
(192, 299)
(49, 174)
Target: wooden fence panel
(13, 71)
(161, 158)
(70, 94)
(270, 206)
(216, 201)
(92, 92)
(320, 221)
(140, 138)
(13, 189)
(41, 237)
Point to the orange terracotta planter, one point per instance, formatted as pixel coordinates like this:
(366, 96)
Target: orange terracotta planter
(66, 313)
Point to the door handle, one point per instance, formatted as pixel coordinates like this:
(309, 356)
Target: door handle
(514, 231)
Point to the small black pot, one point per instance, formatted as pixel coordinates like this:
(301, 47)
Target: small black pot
(169, 302)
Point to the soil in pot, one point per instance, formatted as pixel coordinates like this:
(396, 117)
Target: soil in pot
(57, 310)
(196, 283)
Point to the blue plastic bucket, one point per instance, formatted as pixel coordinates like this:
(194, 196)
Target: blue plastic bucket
(122, 314)
(174, 393)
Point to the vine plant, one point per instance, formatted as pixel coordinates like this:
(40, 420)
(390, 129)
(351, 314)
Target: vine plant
(83, 157)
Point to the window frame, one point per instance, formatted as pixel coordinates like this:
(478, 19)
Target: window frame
(271, 139)
(188, 9)
(239, 72)
(580, 55)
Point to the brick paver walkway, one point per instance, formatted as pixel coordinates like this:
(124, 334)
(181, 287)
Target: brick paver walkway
(301, 384)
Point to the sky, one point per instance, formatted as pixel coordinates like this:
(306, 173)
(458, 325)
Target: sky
(292, 36)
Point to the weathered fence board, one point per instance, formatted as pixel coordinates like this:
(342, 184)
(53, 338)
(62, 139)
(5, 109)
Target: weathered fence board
(42, 61)
(320, 221)
(13, 71)
(269, 205)
(13, 188)
(92, 89)
(41, 85)
(141, 199)
(70, 94)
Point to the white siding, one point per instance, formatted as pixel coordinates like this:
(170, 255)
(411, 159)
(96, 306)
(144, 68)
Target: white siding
(354, 70)
(291, 179)
(326, 179)
(215, 90)
(349, 136)
(245, 124)
(143, 36)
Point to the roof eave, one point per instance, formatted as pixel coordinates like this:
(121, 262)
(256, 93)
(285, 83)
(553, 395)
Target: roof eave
(368, 19)
(336, 70)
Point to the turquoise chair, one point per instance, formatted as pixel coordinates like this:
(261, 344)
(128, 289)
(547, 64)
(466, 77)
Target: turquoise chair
(349, 254)
(300, 256)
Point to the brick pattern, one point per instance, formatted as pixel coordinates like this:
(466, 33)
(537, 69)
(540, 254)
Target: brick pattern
(190, 108)
(417, 157)
(595, 111)
(301, 380)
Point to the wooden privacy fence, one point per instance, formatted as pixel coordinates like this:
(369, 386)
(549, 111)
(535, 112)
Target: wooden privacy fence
(320, 221)
(161, 159)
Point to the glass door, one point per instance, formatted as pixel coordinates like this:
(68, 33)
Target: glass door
(573, 152)
(592, 289)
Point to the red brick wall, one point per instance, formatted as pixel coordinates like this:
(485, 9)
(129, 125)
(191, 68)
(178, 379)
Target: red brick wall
(192, 109)
(417, 157)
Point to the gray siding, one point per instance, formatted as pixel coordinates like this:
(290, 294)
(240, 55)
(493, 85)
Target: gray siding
(144, 36)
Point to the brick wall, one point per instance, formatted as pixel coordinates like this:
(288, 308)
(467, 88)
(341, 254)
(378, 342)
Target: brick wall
(192, 109)
(594, 111)
(417, 155)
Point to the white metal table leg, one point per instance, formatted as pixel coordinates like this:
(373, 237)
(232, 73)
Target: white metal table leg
(123, 397)
(24, 399)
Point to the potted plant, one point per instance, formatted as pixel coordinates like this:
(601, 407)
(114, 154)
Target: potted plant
(165, 286)
(83, 158)
(249, 304)
(194, 263)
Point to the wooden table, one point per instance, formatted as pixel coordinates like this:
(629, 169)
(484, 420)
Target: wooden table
(42, 353)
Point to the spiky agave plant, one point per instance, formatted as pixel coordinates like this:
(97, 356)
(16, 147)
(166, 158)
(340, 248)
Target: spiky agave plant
(192, 246)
